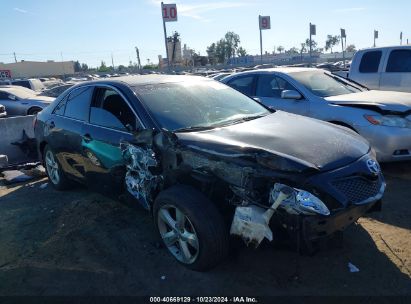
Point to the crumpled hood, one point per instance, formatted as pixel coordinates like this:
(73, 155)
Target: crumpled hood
(384, 100)
(308, 142)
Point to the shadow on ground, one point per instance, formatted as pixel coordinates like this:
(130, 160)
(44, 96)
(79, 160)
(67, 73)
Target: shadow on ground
(82, 243)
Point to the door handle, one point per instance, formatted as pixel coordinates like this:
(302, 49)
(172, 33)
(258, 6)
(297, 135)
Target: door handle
(87, 138)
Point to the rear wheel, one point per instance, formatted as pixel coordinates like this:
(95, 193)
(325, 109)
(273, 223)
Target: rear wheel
(191, 227)
(34, 111)
(56, 176)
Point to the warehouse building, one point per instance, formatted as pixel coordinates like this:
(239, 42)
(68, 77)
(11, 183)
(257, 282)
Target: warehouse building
(28, 69)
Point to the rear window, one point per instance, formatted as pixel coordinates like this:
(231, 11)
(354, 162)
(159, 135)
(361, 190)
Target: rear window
(22, 83)
(78, 103)
(399, 62)
(370, 62)
(243, 84)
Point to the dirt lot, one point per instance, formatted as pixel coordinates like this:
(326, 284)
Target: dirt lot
(82, 243)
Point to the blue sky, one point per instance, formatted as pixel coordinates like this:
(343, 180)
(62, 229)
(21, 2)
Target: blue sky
(90, 30)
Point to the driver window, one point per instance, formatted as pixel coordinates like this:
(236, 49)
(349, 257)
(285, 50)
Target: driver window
(272, 86)
(110, 110)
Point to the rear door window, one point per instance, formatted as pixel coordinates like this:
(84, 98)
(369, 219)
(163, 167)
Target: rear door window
(243, 84)
(272, 86)
(370, 62)
(78, 103)
(399, 62)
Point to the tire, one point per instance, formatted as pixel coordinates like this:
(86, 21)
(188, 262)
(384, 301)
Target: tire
(34, 111)
(201, 219)
(54, 172)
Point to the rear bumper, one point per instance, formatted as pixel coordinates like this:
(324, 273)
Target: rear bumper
(390, 143)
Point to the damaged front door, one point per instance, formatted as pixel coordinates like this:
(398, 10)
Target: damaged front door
(111, 122)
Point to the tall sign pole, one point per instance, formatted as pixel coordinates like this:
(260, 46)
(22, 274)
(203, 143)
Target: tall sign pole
(313, 32)
(401, 38)
(169, 13)
(264, 24)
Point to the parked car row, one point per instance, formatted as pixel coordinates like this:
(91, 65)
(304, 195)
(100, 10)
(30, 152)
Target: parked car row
(209, 162)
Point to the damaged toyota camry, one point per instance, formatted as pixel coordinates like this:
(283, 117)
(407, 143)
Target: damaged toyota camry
(208, 162)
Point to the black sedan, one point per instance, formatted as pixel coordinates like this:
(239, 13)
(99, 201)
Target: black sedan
(208, 162)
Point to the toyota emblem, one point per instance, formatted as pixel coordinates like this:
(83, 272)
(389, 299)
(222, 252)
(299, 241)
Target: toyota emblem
(373, 166)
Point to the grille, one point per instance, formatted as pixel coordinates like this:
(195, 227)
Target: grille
(358, 189)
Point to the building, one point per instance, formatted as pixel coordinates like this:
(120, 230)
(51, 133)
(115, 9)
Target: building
(28, 69)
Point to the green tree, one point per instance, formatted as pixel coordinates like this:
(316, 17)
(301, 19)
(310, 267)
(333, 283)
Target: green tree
(351, 48)
(331, 42)
(84, 67)
(232, 42)
(77, 66)
(293, 50)
(280, 49)
(103, 67)
(224, 49)
(313, 44)
(212, 54)
(241, 52)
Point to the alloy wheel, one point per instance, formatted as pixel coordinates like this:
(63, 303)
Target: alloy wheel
(178, 234)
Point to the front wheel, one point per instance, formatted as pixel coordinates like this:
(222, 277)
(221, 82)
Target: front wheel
(191, 228)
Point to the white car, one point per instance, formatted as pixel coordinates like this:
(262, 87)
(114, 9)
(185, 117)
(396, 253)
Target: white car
(381, 117)
(385, 68)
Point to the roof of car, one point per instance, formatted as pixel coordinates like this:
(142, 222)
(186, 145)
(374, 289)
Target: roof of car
(284, 70)
(14, 88)
(137, 80)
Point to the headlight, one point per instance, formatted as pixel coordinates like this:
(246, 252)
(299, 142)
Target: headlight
(389, 121)
(300, 202)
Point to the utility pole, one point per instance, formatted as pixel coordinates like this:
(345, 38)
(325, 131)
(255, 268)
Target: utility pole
(401, 38)
(375, 36)
(62, 65)
(343, 36)
(15, 58)
(112, 62)
(138, 59)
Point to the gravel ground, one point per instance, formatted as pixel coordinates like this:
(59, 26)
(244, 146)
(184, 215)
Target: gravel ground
(82, 243)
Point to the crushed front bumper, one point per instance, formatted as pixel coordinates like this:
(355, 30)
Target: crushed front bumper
(315, 227)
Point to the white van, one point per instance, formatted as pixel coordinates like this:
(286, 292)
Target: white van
(384, 68)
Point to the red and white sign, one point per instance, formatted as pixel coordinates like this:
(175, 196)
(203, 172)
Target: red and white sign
(169, 12)
(265, 23)
(5, 74)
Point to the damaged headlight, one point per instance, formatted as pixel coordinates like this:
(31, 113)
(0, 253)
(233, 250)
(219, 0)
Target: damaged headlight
(300, 202)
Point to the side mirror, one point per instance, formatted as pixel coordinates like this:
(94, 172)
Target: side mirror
(291, 94)
(144, 137)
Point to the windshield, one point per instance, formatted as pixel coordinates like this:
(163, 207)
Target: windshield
(323, 84)
(194, 104)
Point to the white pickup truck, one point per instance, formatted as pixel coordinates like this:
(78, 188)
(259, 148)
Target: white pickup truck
(384, 68)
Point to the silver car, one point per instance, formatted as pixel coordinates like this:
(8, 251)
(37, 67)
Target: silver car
(382, 117)
(22, 101)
